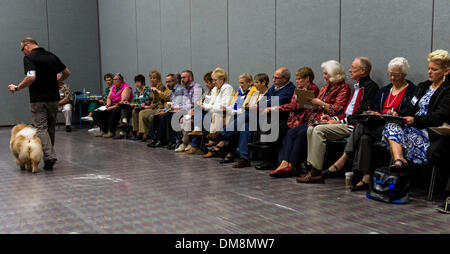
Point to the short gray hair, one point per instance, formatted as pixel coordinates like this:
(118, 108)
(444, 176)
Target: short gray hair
(399, 63)
(335, 70)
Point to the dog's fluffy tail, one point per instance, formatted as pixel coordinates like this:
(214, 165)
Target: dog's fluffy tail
(31, 145)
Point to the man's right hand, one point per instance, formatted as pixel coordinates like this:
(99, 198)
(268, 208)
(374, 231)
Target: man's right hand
(12, 88)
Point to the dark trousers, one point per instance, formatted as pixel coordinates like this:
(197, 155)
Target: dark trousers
(44, 119)
(295, 145)
(109, 120)
(240, 136)
(360, 147)
(164, 131)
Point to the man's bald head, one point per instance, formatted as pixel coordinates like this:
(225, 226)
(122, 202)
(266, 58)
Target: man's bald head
(281, 76)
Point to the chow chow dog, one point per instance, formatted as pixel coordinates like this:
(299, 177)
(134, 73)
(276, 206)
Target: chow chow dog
(26, 147)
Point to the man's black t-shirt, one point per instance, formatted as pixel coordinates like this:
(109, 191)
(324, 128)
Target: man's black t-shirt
(46, 65)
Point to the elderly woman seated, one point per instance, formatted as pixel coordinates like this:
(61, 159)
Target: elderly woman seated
(331, 101)
(120, 92)
(222, 99)
(430, 107)
(247, 94)
(392, 97)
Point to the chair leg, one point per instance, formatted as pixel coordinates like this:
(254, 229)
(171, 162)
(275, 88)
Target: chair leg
(432, 182)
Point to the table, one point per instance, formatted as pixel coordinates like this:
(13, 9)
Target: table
(79, 98)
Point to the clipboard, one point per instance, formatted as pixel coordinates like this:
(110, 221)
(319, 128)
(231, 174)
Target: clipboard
(443, 131)
(304, 98)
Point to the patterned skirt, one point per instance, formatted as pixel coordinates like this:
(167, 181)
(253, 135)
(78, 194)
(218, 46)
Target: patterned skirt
(415, 142)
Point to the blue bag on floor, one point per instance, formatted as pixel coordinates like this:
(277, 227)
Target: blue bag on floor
(389, 187)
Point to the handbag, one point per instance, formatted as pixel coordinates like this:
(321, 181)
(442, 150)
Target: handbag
(389, 187)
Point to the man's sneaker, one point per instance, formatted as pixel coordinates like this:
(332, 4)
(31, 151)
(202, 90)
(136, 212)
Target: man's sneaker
(445, 207)
(87, 119)
(181, 148)
(68, 128)
(48, 165)
(94, 130)
(188, 148)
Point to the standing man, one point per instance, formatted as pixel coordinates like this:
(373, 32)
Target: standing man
(41, 68)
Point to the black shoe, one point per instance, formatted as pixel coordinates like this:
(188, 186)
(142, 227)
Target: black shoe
(227, 160)
(168, 145)
(266, 166)
(154, 143)
(48, 165)
(172, 146)
(363, 187)
(158, 144)
(68, 129)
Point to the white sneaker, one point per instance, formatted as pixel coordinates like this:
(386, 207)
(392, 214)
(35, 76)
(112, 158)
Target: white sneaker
(188, 148)
(94, 130)
(87, 118)
(181, 148)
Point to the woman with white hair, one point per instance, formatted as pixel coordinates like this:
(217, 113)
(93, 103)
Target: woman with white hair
(331, 101)
(430, 107)
(392, 97)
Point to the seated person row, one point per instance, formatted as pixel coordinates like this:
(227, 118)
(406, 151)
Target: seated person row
(121, 93)
(430, 107)
(247, 95)
(65, 102)
(392, 97)
(331, 101)
(283, 89)
(158, 98)
(340, 126)
(193, 93)
(95, 104)
(221, 99)
(164, 135)
(304, 77)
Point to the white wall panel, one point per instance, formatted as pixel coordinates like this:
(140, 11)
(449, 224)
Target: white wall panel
(175, 36)
(209, 34)
(117, 20)
(307, 34)
(251, 38)
(384, 29)
(16, 23)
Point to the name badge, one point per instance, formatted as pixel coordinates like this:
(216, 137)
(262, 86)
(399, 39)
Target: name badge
(141, 96)
(242, 97)
(61, 94)
(414, 100)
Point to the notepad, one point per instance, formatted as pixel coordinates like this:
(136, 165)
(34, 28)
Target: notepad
(304, 98)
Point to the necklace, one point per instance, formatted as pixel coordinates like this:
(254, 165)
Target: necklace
(389, 104)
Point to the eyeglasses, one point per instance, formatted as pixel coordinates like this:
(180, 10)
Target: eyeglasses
(116, 78)
(395, 75)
